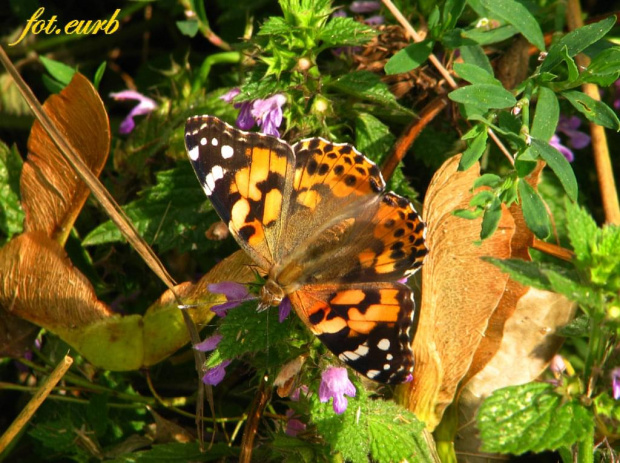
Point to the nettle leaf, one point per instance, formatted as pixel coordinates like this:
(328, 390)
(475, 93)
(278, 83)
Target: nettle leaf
(475, 149)
(275, 25)
(379, 428)
(484, 96)
(474, 54)
(596, 111)
(531, 418)
(409, 58)
(576, 41)
(366, 85)
(546, 116)
(582, 232)
(174, 213)
(11, 212)
(519, 16)
(558, 163)
(346, 32)
(534, 210)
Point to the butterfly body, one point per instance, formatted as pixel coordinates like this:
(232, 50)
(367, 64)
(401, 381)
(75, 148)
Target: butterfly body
(317, 221)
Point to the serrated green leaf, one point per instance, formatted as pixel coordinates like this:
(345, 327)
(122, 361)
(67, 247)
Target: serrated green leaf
(366, 86)
(484, 96)
(475, 74)
(531, 418)
(577, 328)
(491, 218)
(346, 32)
(372, 137)
(519, 16)
(534, 210)
(596, 111)
(487, 37)
(577, 41)
(546, 116)
(59, 71)
(474, 150)
(521, 271)
(474, 54)
(275, 25)
(558, 163)
(174, 213)
(409, 58)
(572, 289)
(11, 213)
(582, 232)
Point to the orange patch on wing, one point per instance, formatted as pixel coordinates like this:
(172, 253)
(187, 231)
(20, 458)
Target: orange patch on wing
(330, 326)
(349, 297)
(384, 263)
(278, 164)
(358, 326)
(258, 237)
(389, 296)
(259, 171)
(242, 179)
(309, 198)
(367, 257)
(273, 206)
(375, 312)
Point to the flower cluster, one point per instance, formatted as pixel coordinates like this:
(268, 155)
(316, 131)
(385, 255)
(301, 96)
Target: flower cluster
(266, 113)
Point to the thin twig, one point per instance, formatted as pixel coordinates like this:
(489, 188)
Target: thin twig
(600, 148)
(501, 146)
(36, 401)
(254, 415)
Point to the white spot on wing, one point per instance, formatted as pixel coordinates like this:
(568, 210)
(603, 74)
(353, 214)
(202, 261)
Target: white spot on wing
(386, 366)
(362, 350)
(389, 356)
(384, 344)
(214, 141)
(227, 151)
(203, 141)
(348, 355)
(193, 153)
(372, 373)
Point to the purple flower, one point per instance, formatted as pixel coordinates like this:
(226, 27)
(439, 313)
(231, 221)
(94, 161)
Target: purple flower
(335, 383)
(297, 392)
(245, 121)
(293, 425)
(375, 20)
(145, 106)
(364, 6)
(268, 113)
(569, 126)
(209, 343)
(284, 309)
(615, 383)
(555, 142)
(617, 99)
(557, 365)
(215, 375)
(235, 293)
(339, 14)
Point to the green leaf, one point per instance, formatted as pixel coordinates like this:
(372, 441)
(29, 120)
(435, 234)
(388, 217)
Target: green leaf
(484, 96)
(596, 111)
(573, 72)
(519, 16)
(475, 149)
(366, 86)
(452, 11)
(606, 63)
(99, 74)
(585, 296)
(174, 213)
(372, 137)
(524, 167)
(484, 37)
(490, 180)
(490, 221)
(582, 232)
(11, 213)
(577, 328)
(468, 214)
(482, 199)
(188, 27)
(531, 418)
(475, 74)
(176, 452)
(521, 271)
(534, 210)
(474, 54)
(558, 164)
(274, 25)
(576, 41)
(546, 116)
(346, 32)
(409, 57)
(59, 71)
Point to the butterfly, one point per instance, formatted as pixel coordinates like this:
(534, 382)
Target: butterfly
(316, 219)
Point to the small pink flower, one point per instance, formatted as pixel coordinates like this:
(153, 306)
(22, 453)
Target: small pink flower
(335, 384)
(145, 106)
(215, 375)
(284, 309)
(364, 6)
(557, 365)
(615, 383)
(209, 343)
(245, 121)
(568, 126)
(298, 391)
(566, 152)
(293, 425)
(268, 113)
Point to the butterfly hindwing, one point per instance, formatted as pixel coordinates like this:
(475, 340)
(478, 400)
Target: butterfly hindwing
(248, 178)
(367, 326)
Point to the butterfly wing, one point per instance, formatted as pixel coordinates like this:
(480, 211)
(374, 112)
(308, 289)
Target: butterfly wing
(367, 325)
(248, 178)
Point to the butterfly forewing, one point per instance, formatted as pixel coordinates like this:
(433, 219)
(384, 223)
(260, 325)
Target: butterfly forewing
(248, 178)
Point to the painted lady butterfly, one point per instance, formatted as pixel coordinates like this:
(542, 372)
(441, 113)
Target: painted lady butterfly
(316, 219)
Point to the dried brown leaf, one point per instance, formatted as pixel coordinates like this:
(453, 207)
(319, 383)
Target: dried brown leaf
(52, 193)
(459, 292)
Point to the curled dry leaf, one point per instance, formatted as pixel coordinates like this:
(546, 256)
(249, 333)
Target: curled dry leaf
(459, 292)
(52, 193)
